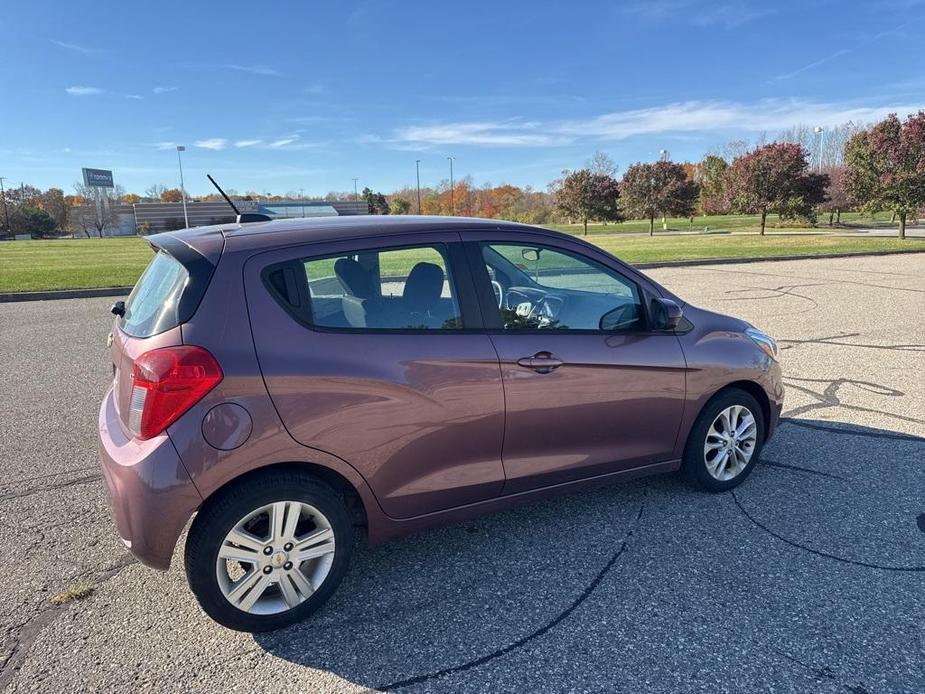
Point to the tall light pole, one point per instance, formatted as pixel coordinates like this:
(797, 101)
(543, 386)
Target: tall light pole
(6, 212)
(819, 130)
(417, 169)
(356, 195)
(181, 148)
(302, 200)
(452, 204)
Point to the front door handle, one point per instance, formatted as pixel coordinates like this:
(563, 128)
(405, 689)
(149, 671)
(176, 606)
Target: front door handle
(541, 362)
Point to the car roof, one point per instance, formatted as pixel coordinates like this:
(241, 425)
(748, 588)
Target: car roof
(283, 232)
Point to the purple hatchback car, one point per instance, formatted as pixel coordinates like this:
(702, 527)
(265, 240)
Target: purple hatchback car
(283, 381)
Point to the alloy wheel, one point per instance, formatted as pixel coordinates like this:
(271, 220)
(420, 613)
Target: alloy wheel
(730, 442)
(274, 558)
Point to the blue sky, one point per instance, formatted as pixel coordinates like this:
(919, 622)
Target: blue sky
(280, 96)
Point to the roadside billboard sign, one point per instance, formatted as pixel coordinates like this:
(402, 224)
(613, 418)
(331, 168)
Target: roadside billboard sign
(97, 178)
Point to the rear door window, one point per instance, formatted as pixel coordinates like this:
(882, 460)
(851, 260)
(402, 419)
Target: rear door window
(153, 305)
(374, 289)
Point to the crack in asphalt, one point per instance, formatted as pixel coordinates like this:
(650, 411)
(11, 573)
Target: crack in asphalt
(789, 344)
(584, 595)
(798, 468)
(49, 487)
(820, 553)
(893, 436)
(829, 397)
(797, 277)
(26, 633)
(777, 293)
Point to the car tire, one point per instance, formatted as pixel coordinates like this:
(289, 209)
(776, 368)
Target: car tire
(300, 496)
(710, 462)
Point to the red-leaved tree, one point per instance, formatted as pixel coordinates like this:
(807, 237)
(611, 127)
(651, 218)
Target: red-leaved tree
(886, 166)
(775, 178)
(658, 190)
(585, 195)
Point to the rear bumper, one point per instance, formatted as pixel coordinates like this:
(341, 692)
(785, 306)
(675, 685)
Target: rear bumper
(151, 494)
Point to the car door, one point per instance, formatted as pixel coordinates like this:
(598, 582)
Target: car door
(590, 389)
(366, 353)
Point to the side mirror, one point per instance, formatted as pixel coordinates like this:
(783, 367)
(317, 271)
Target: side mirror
(530, 254)
(118, 308)
(666, 314)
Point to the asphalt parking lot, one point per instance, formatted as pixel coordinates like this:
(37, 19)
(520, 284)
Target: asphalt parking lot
(808, 578)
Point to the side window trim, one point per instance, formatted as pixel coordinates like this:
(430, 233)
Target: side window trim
(492, 315)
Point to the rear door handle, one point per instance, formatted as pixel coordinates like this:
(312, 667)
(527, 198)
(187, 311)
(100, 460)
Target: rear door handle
(541, 362)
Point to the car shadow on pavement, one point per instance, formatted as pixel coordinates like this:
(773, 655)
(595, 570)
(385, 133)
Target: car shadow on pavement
(652, 585)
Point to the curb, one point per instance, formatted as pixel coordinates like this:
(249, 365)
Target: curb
(64, 294)
(124, 291)
(771, 259)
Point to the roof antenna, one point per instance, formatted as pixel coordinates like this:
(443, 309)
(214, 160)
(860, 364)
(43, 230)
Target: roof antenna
(241, 218)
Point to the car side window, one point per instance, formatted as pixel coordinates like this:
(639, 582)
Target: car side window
(382, 289)
(543, 288)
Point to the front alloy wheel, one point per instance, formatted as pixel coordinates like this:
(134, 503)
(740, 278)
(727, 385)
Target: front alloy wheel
(730, 442)
(725, 442)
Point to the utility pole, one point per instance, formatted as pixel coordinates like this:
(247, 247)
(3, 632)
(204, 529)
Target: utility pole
(417, 168)
(452, 204)
(6, 211)
(302, 199)
(356, 195)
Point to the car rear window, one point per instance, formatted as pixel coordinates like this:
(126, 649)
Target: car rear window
(153, 305)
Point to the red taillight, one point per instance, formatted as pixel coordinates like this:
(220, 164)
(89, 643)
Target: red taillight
(166, 383)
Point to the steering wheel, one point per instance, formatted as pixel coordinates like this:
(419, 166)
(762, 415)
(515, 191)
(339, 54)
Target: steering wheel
(499, 292)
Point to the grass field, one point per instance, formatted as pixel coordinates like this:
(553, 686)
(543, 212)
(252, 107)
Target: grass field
(730, 222)
(117, 262)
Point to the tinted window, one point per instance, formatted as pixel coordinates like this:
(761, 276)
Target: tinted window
(542, 288)
(382, 289)
(153, 305)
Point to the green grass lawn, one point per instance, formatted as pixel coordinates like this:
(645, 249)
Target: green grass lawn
(730, 222)
(117, 262)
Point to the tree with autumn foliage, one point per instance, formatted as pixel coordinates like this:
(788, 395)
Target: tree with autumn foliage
(172, 195)
(710, 175)
(658, 190)
(886, 166)
(775, 178)
(585, 196)
(837, 199)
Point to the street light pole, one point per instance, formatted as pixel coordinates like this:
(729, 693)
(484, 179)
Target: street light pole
(181, 148)
(6, 211)
(452, 203)
(302, 200)
(819, 130)
(356, 195)
(417, 169)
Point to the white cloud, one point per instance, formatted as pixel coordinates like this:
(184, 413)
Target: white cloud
(504, 133)
(83, 91)
(253, 69)
(214, 143)
(165, 145)
(86, 50)
(136, 97)
(316, 88)
(768, 115)
(282, 142)
(164, 90)
(247, 143)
